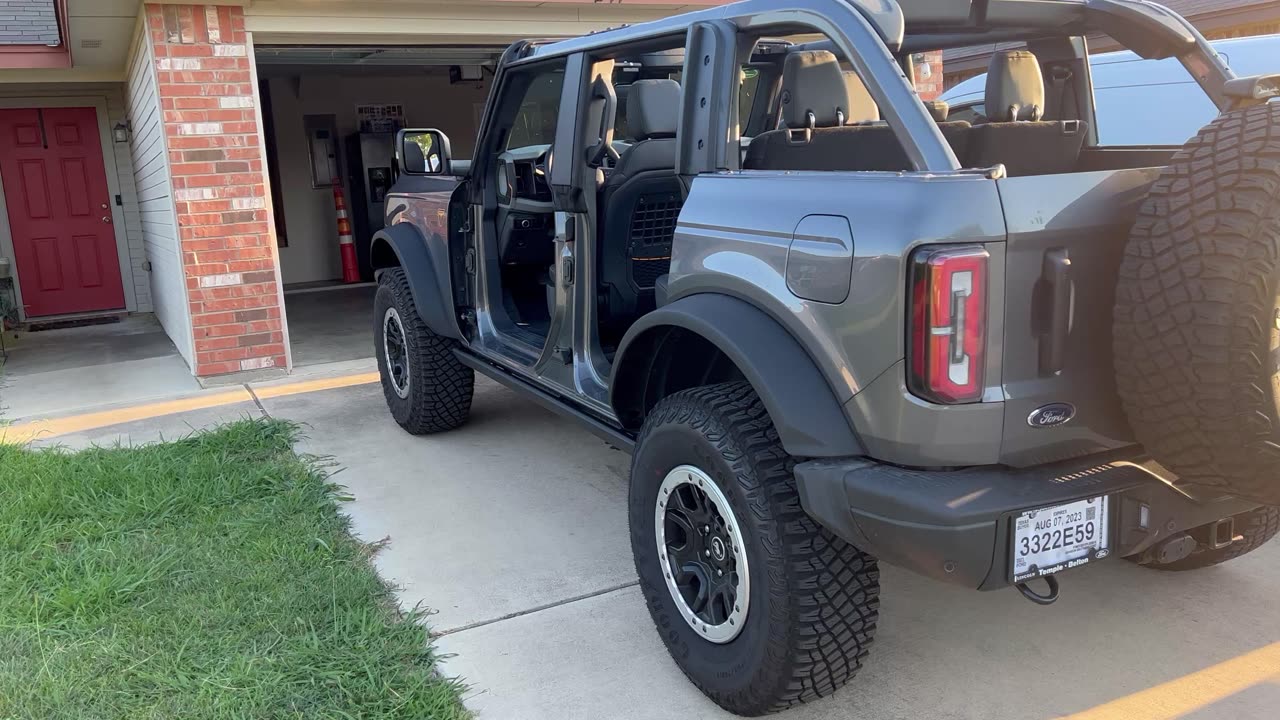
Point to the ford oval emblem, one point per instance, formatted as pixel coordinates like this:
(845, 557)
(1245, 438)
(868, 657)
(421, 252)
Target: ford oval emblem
(1051, 415)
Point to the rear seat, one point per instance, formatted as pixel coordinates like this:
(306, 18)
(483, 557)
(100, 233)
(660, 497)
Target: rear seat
(823, 127)
(829, 122)
(956, 132)
(1015, 134)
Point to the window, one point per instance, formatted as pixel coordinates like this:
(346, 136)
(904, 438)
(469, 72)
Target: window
(535, 123)
(1146, 102)
(971, 113)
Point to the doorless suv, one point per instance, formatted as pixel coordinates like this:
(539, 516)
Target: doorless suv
(835, 328)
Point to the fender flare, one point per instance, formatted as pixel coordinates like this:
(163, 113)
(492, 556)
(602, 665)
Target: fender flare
(803, 407)
(426, 265)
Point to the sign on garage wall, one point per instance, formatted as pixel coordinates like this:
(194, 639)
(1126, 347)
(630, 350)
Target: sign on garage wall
(380, 118)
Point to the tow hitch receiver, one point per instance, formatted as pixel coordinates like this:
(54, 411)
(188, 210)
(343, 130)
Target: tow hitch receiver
(1223, 533)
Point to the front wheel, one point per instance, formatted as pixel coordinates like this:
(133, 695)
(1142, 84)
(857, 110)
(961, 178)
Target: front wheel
(427, 388)
(760, 606)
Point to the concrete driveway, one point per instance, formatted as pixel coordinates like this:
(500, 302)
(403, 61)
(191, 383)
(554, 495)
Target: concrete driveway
(512, 530)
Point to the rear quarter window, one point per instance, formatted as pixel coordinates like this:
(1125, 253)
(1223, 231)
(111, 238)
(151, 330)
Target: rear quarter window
(1157, 102)
(1147, 102)
(1152, 114)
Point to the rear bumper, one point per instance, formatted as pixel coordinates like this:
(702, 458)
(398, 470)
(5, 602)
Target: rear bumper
(954, 526)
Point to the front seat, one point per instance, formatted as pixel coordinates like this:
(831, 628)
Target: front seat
(641, 200)
(1015, 134)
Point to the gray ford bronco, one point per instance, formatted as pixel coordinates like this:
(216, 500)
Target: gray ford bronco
(835, 328)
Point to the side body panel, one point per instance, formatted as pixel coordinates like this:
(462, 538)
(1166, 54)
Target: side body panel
(1066, 237)
(809, 421)
(736, 233)
(416, 237)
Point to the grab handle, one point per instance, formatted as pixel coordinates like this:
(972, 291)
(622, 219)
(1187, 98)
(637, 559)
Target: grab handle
(1055, 273)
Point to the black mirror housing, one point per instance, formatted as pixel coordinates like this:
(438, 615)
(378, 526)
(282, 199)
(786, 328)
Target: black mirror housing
(423, 152)
(1258, 88)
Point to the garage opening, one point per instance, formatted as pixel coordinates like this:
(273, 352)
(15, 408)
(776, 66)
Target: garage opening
(330, 115)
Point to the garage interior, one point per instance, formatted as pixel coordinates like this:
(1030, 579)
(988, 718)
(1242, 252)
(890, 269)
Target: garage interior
(332, 112)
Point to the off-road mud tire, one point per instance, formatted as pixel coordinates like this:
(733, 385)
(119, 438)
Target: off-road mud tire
(440, 386)
(814, 599)
(1197, 324)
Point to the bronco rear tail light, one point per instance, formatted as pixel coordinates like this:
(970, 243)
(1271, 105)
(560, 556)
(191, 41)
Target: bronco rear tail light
(947, 336)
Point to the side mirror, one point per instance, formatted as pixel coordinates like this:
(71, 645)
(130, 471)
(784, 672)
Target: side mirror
(423, 152)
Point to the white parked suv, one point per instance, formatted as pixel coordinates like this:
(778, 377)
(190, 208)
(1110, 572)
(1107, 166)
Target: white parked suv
(1133, 96)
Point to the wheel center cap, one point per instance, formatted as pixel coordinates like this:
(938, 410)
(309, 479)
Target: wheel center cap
(717, 549)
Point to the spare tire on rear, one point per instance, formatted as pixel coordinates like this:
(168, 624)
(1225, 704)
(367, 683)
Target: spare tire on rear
(1197, 323)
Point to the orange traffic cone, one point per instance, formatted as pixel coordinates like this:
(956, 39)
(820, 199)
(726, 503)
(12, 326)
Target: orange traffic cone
(347, 243)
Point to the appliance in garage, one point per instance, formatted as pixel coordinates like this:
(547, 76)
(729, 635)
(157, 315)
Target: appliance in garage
(371, 164)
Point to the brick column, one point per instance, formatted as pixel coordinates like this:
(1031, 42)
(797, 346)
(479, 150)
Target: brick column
(929, 82)
(228, 246)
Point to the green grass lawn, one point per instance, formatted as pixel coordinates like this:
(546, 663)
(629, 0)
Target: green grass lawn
(207, 578)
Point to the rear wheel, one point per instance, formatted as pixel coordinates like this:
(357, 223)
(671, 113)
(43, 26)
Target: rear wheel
(760, 606)
(426, 387)
(1197, 318)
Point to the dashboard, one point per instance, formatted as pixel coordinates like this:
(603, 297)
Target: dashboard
(523, 175)
(525, 213)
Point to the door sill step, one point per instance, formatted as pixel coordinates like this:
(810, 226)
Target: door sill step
(73, 321)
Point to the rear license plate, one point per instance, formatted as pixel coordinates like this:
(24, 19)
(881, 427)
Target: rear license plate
(1053, 539)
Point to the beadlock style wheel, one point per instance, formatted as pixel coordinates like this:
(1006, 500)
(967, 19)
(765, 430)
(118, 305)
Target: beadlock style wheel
(427, 388)
(397, 355)
(700, 546)
(758, 605)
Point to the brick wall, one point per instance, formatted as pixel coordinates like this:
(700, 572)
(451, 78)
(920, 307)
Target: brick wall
(228, 249)
(929, 79)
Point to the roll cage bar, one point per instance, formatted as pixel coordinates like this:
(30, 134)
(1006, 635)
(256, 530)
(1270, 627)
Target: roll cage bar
(907, 26)
(873, 36)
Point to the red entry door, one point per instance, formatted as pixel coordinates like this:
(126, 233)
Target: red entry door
(55, 187)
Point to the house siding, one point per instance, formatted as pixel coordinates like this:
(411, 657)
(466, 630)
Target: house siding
(155, 210)
(28, 22)
(113, 95)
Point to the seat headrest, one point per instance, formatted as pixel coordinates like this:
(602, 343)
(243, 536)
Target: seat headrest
(861, 107)
(1015, 87)
(813, 90)
(939, 109)
(653, 109)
